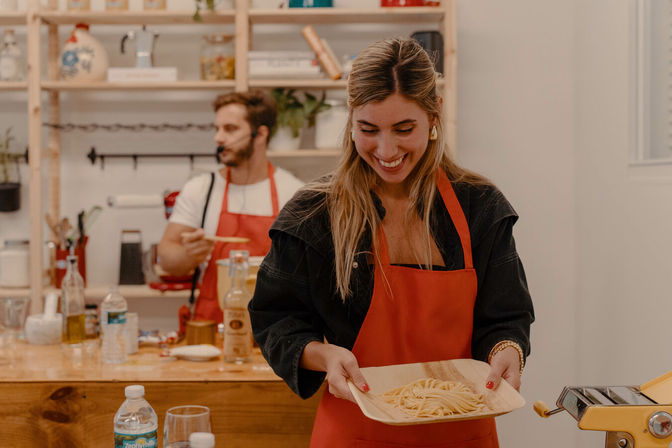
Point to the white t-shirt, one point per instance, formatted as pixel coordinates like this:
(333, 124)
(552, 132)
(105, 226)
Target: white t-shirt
(252, 199)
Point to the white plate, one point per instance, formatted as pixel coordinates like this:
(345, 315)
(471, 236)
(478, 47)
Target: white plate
(202, 352)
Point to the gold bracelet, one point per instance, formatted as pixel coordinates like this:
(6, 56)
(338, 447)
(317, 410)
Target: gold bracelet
(505, 344)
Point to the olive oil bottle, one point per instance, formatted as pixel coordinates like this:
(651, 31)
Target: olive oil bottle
(72, 304)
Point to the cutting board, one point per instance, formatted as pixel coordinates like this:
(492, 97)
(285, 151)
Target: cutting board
(468, 371)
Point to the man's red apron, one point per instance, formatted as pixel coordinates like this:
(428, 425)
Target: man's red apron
(427, 317)
(234, 224)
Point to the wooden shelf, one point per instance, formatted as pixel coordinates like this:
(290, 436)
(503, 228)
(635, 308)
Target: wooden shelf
(102, 85)
(135, 17)
(312, 153)
(299, 83)
(347, 15)
(97, 292)
(13, 18)
(13, 86)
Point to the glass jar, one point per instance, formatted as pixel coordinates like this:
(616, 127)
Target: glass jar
(116, 5)
(79, 5)
(14, 264)
(217, 57)
(154, 5)
(11, 58)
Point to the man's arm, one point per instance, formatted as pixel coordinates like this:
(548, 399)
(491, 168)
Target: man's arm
(182, 248)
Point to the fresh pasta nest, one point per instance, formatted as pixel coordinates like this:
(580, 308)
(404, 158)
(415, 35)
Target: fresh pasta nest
(430, 397)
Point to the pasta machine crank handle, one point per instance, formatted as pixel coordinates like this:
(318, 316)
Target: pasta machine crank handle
(543, 410)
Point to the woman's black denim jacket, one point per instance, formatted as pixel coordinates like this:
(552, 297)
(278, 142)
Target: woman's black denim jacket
(296, 301)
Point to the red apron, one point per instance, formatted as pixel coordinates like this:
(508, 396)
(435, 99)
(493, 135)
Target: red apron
(253, 227)
(427, 317)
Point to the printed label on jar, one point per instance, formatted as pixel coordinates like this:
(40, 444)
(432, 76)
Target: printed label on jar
(147, 440)
(116, 317)
(237, 339)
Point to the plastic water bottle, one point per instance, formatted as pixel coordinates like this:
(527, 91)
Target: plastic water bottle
(135, 423)
(113, 326)
(201, 440)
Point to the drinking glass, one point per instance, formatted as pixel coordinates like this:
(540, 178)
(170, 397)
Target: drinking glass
(181, 421)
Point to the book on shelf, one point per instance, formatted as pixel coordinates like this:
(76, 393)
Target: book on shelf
(144, 74)
(282, 63)
(323, 52)
(285, 72)
(253, 55)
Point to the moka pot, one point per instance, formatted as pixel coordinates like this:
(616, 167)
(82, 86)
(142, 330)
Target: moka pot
(144, 46)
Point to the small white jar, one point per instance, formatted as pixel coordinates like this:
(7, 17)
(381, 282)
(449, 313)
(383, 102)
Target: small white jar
(330, 124)
(15, 264)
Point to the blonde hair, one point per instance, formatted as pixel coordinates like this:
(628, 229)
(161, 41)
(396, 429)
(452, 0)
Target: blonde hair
(383, 68)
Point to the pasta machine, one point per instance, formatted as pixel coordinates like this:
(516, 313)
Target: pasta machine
(632, 416)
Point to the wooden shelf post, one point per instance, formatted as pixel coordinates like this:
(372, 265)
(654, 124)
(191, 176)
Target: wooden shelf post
(35, 155)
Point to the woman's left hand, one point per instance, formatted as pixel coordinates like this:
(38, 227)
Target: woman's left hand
(504, 364)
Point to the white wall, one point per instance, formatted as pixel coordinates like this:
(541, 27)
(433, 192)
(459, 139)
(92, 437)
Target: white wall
(515, 125)
(623, 213)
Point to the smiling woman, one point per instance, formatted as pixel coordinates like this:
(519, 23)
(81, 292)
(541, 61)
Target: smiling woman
(386, 258)
(391, 136)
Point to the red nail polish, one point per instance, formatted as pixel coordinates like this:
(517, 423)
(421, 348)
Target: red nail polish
(489, 384)
(365, 387)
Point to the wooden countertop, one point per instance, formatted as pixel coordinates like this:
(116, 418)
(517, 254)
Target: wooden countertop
(45, 363)
(51, 400)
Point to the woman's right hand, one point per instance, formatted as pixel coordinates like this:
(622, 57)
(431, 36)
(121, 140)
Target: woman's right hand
(340, 365)
(196, 246)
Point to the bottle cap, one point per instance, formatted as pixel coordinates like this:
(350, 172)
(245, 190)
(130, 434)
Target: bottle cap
(135, 391)
(201, 440)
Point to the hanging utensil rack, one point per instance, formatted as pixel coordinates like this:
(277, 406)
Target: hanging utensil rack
(93, 156)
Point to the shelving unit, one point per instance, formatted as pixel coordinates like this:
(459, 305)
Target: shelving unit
(13, 86)
(98, 292)
(12, 18)
(243, 19)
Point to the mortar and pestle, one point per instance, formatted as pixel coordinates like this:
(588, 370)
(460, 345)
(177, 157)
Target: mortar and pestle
(44, 329)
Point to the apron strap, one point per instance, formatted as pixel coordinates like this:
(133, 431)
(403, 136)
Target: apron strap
(456, 215)
(197, 271)
(274, 190)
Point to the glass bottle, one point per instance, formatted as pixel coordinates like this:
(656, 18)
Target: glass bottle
(237, 329)
(217, 57)
(73, 307)
(11, 58)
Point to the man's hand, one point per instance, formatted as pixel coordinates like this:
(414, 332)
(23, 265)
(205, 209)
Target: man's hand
(196, 246)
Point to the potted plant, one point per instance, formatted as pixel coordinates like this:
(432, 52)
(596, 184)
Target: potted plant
(10, 199)
(292, 116)
(211, 5)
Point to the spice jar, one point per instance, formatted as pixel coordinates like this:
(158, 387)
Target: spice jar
(14, 264)
(217, 57)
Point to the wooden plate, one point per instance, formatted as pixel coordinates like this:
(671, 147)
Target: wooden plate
(468, 371)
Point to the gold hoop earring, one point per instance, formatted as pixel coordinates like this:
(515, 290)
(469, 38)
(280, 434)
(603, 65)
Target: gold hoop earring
(434, 134)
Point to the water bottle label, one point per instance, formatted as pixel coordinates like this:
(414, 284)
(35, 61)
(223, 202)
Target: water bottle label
(116, 317)
(147, 440)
